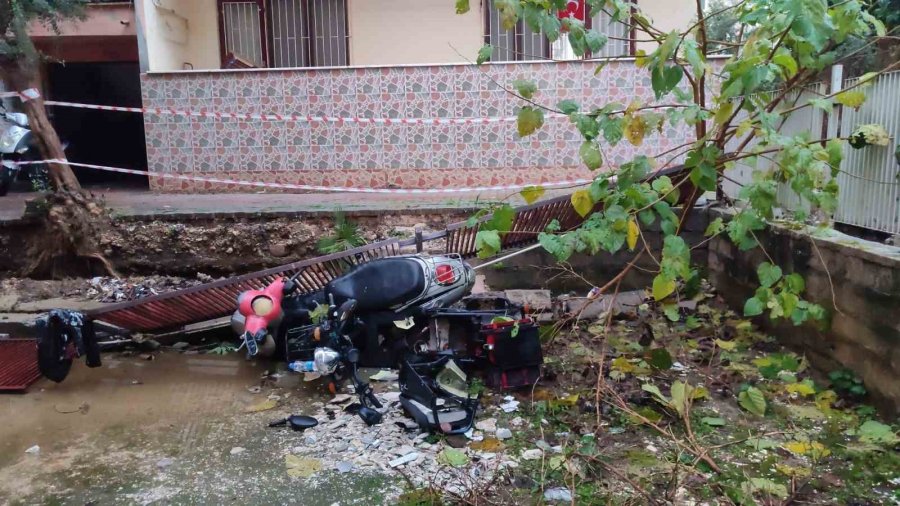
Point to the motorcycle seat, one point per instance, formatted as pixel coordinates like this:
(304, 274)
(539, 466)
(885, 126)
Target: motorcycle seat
(380, 284)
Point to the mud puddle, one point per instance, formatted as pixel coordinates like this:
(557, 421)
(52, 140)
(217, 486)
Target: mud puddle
(140, 431)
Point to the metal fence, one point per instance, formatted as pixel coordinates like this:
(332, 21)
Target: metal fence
(870, 177)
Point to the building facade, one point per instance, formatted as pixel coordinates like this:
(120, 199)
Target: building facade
(371, 59)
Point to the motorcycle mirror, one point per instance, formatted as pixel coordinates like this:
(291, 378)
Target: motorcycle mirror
(347, 308)
(289, 286)
(302, 422)
(370, 416)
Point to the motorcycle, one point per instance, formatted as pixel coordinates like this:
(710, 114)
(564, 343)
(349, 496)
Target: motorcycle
(17, 143)
(383, 313)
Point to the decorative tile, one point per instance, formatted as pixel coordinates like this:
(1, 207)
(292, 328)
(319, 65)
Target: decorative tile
(368, 154)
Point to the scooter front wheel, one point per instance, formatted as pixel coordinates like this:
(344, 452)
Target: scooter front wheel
(5, 181)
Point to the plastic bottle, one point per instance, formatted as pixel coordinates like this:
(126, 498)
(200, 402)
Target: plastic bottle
(302, 366)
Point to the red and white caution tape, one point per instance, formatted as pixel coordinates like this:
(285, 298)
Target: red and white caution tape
(306, 187)
(298, 118)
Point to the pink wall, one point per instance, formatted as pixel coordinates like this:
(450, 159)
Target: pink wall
(366, 155)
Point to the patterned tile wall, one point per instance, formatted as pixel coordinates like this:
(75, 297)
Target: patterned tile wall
(366, 155)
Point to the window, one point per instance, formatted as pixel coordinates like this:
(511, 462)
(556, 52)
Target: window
(284, 33)
(523, 43)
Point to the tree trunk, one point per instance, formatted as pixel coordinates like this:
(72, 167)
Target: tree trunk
(69, 244)
(20, 76)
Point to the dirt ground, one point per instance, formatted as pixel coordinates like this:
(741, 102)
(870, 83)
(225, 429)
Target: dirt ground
(161, 432)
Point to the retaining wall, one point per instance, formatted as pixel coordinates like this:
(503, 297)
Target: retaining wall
(864, 331)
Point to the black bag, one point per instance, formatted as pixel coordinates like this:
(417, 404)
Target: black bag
(430, 405)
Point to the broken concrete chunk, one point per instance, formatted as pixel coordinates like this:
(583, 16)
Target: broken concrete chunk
(487, 425)
(406, 459)
(558, 494)
(532, 454)
(340, 399)
(503, 433)
(237, 450)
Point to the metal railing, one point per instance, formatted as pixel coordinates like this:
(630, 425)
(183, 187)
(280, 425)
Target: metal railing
(209, 301)
(869, 178)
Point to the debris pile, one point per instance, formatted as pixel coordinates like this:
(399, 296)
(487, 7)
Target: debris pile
(343, 442)
(107, 289)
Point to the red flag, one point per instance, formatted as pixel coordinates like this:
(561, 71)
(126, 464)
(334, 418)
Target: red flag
(574, 10)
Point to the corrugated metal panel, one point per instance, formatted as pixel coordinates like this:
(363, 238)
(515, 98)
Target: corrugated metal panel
(18, 364)
(870, 177)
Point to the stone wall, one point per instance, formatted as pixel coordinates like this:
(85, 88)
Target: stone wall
(864, 331)
(369, 155)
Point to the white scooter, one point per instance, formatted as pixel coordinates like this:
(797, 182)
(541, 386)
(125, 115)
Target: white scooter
(17, 144)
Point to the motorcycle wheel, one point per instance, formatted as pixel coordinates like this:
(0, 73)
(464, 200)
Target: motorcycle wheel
(51, 349)
(6, 177)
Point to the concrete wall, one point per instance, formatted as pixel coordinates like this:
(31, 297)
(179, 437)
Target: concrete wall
(864, 333)
(667, 15)
(388, 32)
(382, 32)
(177, 33)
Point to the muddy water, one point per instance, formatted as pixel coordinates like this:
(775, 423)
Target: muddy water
(157, 432)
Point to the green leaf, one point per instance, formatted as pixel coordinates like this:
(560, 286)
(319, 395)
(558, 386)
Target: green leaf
(765, 486)
(595, 40)
(787, 63)
(671, 312)
(851, 98)
(768, 274)
(531, 194)
(822, 103)
(682, 394)
(663, 286)
(530, 119)
(876, 432)
(453, 457)
(694, 57)
(484, 54)
(462, 6)
(724, 113)
(487, 242)
(753, 307)
(656, 393)
(567, 106)
(753, 401)
(525, 88)
(713, 422)
(590, 155)
(660, 358)
(582, 202)
(726, 345)
(501, 219)
(664, 79)
(794, 283)
(715, 227)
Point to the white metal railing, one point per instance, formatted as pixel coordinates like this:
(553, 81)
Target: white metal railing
(870, 177)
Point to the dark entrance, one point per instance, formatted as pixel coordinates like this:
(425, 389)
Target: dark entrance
(114, 139)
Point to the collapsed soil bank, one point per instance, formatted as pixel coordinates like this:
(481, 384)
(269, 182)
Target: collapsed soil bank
(220, 245)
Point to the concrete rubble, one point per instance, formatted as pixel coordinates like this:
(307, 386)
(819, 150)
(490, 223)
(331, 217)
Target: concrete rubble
(343, 442)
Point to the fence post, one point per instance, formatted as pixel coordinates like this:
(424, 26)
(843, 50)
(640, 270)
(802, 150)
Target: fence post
(837, 84)
(419, 246)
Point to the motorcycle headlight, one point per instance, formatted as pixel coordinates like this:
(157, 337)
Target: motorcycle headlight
(262, 305)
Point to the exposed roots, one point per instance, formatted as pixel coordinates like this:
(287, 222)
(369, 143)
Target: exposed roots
(68, 242)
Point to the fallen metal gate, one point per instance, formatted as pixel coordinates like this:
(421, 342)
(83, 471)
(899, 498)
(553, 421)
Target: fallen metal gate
(209, 301)
(18, 364)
